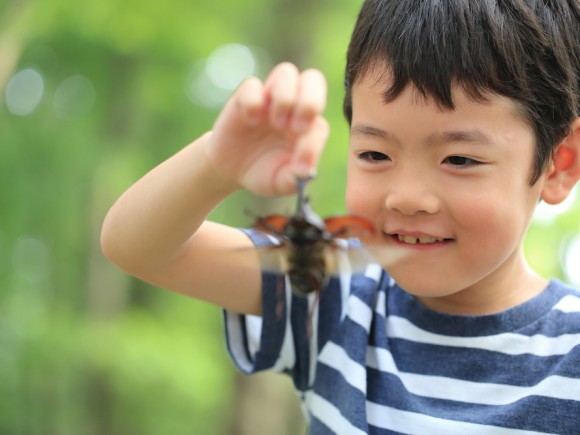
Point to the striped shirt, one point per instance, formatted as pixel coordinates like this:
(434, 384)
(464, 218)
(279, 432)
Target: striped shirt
(369, 358)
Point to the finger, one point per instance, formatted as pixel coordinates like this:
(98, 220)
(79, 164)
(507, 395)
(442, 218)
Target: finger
(311, 100)
(308, 148)
(281, 87)
(251, 101)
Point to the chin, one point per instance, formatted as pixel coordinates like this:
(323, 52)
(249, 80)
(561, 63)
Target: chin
(425, 287)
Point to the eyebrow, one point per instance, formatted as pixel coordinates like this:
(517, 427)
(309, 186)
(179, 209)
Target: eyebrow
(367, 130)
(454, 136)
(473, 136)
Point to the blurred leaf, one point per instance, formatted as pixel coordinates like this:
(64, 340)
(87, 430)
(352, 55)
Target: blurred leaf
(86, 350)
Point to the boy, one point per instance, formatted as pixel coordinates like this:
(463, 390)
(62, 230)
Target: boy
(463, 114)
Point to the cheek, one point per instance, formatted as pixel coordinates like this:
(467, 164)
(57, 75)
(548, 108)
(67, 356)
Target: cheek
(492, 221)
(356, 200)
(361, 198)
(364, 196)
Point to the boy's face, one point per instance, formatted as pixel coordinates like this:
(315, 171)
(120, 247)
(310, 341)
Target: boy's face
(451, 189)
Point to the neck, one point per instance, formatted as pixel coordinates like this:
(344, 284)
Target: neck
(502, 290)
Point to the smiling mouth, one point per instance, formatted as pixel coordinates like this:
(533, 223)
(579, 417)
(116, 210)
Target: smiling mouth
(421, 240)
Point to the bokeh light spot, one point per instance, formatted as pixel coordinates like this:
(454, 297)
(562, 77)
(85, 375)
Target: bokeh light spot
(74, 97)
(24, 92)
(211, 82)
(229, 64)
(572, 261)
(546, 213)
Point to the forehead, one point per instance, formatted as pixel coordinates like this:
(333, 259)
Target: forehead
(413, 119)
(370, 95)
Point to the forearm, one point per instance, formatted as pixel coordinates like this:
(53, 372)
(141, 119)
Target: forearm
(153, 220)
(156, 230)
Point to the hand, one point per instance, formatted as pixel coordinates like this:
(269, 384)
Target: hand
(269, 133)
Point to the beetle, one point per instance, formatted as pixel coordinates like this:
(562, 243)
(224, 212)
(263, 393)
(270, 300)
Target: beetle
(309, 243)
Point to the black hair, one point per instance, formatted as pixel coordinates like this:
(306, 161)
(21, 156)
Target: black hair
(526, 50)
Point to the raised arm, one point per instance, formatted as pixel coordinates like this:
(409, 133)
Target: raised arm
(266, 135)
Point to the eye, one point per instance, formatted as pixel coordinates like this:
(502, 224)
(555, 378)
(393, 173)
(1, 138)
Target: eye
(461, 161)
(373, 156)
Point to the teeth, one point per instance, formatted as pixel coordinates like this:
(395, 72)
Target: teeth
(425, 240)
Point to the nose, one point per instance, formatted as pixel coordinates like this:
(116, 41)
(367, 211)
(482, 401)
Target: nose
(412, 194)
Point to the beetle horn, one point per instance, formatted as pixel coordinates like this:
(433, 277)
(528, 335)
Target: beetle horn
(302, 198)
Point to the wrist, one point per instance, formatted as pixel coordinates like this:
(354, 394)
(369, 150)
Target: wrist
(217, 180)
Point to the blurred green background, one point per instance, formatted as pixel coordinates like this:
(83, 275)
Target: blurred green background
(92, 95)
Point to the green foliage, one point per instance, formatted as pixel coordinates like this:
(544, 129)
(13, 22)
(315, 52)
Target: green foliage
(85, 349)
(165, 372)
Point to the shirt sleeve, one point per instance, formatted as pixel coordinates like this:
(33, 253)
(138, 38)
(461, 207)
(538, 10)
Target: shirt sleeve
(279, 340)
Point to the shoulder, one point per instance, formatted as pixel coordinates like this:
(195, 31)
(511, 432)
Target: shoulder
(563, 302)
(568, 297)
(562, 317)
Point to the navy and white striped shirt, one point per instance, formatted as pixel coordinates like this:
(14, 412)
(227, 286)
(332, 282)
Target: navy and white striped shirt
(379, 362)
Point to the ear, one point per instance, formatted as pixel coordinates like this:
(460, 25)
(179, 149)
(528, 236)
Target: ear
(564, 169)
